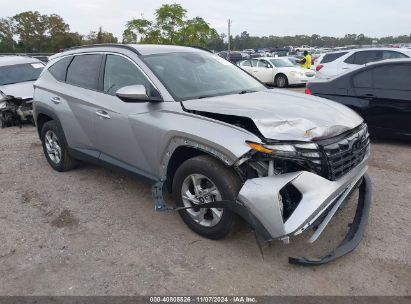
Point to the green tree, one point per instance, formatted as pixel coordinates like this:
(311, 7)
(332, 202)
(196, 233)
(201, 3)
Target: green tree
(171, 27)
(137, 30)
(196, 32)
(100, 37)
(31, 27)
(7, 43)
(170, 20)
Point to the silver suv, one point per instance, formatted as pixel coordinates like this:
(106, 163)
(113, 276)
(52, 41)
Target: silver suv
(224, 144)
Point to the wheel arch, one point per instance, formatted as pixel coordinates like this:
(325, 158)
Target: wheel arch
(177, 155)
(44, 115)
(280, 74)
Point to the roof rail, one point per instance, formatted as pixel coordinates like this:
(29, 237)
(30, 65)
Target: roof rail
(123, 46)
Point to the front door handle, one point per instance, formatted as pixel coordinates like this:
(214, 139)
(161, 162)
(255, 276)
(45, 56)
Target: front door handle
(55, 99)
(103, 114)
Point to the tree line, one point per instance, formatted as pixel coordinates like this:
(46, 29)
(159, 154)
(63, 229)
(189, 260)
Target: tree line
(37, 33)
(33, 32)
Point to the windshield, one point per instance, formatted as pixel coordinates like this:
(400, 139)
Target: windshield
(198, 75)
(281, 63)
(20, 73)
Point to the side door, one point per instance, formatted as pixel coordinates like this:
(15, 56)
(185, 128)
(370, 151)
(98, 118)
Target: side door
(246, 66)
(390, 107)
(118, 138)
(78, 101)
(265, 69)
(384, 92)
(259, 71)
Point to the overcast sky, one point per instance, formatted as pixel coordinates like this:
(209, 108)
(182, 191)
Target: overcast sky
(258, 17)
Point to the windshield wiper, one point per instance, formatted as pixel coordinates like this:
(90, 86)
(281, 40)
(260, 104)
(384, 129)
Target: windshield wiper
(222, 94)
(247, 91)
(18, 82)
(205, 96)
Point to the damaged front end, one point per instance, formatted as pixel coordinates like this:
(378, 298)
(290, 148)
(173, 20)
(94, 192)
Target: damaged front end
(291, 187)
(15, 111)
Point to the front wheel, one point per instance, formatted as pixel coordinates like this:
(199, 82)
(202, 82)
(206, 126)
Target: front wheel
(281, 81)
(200, 180)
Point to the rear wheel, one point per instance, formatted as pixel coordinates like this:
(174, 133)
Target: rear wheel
(281, 81)
(200, 180)
(55, 148)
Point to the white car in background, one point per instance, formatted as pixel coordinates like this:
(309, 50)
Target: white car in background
(276, 70)
(335, 63)
(18, 74)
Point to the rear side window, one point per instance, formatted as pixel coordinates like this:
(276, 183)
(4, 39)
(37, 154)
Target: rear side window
(59, 69)
(262, 64)
(84, 71)
(363, 57)
(254, 62)
(363, 79)
(332, 56)
(246, 63)
(393, 77)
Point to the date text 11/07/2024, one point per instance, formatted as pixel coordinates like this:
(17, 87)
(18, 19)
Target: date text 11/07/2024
(200, 299)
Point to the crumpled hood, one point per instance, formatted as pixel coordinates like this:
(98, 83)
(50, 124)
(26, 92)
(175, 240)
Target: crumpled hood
(23, 90)
(283, 115)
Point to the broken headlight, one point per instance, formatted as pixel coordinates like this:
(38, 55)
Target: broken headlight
(292, 150)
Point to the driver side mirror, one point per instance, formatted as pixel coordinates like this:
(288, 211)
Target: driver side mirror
(135, 93)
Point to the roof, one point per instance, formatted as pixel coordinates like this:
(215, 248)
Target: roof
(151, 49)
(139, 49)
(13, 60)
(372, 49)
(363, 67)
(387, 61)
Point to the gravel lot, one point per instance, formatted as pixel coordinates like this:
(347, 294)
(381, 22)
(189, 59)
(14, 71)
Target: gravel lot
(92, 231)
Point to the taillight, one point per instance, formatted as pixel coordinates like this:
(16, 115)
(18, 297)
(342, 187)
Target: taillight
(319, 67)
(308, 91)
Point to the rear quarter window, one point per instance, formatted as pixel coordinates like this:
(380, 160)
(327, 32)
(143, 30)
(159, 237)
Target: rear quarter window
(59, 69)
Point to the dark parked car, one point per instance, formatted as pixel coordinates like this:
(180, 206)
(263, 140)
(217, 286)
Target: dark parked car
(380, 92)
(232, 56)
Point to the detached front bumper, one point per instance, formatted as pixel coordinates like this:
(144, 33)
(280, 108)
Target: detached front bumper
(354, 235)
(320, 199)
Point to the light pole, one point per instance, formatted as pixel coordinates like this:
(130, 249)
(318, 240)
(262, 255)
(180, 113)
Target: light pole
(229, 28)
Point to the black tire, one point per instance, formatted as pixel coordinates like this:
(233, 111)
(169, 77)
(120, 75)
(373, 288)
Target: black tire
(281, 81)
(226, 181)
(66, 162)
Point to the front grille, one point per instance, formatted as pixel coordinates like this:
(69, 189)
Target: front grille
(334, 157)
(346, 153)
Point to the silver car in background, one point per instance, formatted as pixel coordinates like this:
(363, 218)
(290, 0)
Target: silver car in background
(17, 76)
(224, 144)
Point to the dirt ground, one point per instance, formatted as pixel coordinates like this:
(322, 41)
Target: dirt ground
(92, 231)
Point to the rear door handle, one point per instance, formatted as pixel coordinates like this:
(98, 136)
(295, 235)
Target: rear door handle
(55, 99)
(103, 114)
